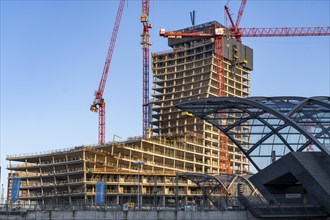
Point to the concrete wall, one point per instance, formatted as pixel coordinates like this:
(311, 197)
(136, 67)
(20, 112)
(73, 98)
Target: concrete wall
(133, 215)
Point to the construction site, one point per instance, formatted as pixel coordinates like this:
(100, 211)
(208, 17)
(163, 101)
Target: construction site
(179, 141)
(184, 160)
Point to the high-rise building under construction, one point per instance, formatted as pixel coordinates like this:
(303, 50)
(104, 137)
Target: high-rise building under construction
(179, 142)
(189, 72)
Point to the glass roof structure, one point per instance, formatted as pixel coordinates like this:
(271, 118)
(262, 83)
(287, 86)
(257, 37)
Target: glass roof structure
(267, 128)
(223, 187)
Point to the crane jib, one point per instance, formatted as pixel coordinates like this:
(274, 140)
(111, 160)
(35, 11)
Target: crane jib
(99, 104)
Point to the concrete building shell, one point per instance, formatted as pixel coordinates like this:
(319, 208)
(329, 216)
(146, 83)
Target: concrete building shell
(188, 72)
(69, 176)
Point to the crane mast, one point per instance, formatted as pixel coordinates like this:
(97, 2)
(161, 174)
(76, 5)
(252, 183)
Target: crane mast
(145, 42)
(98, 103)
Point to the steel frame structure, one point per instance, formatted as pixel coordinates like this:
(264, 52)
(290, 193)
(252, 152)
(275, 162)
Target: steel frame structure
(268, 127)
(224, 184)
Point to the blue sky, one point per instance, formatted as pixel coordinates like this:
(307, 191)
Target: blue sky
(53, 52)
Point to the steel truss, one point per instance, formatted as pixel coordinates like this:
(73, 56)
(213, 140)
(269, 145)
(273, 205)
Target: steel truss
(222, 190)
(267, 128)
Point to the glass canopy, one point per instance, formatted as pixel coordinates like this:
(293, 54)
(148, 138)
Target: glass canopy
(267, 128)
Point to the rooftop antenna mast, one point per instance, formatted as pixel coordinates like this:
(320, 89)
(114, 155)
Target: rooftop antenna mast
(192, 17)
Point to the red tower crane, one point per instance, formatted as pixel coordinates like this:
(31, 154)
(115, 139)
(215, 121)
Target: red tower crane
(145, 42)
(98, 103)
(234, 27)
(234, 31)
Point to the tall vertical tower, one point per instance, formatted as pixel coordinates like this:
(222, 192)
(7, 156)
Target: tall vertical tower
(188, 72)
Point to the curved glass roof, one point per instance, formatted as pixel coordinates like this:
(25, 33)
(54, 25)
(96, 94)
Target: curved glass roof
(266, 128)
